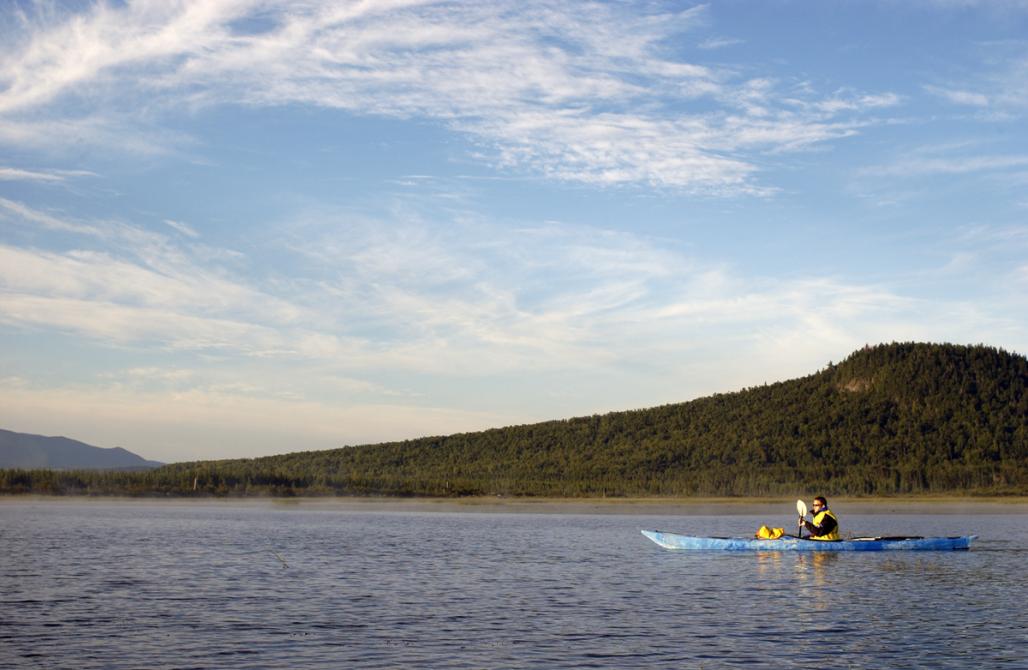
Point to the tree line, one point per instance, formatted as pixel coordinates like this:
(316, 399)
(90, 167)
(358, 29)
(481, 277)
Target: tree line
(899, 418)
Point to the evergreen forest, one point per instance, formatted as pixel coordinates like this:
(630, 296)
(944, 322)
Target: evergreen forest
(901, 418)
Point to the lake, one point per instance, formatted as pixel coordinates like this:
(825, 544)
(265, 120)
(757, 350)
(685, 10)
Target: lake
(141, 584)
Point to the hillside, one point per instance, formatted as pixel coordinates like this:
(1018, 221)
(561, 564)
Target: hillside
(22, 450)
(897, 418)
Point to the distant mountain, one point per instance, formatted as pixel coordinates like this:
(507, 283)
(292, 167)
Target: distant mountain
(29, 452)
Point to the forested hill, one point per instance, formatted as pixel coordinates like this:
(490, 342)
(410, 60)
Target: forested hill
(897, 418)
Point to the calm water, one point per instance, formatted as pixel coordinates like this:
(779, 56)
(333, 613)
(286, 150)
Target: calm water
(159, 585)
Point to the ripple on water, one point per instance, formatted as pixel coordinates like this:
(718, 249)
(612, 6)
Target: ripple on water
(124, 585)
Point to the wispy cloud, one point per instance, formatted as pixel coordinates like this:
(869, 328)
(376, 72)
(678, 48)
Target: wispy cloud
(999, 236)
(956, 165)
(469, 299)
(960, 97)
(21, 213)
(183, 228)
(997, 88)
(857, 102)
(582, 93)
(557, 296)
(52, 176)
(104, 130)
(953, 158)
(141, 286)
(719, 42)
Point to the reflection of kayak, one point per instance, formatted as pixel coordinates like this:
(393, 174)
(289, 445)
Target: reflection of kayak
(673, 541)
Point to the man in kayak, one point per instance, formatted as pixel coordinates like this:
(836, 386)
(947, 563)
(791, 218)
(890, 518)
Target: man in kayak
(824, 525)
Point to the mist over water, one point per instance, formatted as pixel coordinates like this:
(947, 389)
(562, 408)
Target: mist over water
(219, 585)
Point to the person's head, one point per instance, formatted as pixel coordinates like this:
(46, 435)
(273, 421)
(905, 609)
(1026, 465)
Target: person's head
(820, 504)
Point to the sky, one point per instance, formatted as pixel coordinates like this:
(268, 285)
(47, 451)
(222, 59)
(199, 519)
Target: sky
(234, 228)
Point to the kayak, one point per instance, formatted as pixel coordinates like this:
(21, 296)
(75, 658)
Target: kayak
(673, 541)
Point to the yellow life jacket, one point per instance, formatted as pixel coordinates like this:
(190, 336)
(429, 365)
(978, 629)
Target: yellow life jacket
(834, 535)
(765, 533)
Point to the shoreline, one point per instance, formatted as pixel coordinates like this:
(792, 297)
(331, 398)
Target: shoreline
(611, 506)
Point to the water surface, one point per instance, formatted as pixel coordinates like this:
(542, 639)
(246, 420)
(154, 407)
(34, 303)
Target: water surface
(221, 585)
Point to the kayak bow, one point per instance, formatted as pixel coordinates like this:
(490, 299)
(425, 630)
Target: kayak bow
(674, 541)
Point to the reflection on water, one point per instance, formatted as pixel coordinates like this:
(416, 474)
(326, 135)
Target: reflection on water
(769, 563)
(816, 563)
(812, 570)
(806, 572)
(120, 585)
(814, 566)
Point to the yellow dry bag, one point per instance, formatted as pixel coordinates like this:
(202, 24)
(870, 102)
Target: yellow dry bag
(765, 533)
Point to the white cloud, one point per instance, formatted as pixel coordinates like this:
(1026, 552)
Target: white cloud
(473, 299)
(719, 42)
(162, 374)
(582, 92)
(845, 103)
(406, 293)
(113, 323)
(997, 88)
(141, 288)
(98, 276)
(960, 97)
(89, 46)
(26, 215)
(112, 132)
(997, 237)
(183, 228)
(563, 297)
(18, 174)
(916, 166)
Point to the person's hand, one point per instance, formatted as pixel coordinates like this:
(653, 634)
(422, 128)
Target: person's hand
(800, 523)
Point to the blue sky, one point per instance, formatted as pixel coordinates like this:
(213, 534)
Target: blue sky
(244, 227)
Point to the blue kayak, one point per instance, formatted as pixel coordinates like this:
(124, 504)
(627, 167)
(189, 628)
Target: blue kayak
(673, 541)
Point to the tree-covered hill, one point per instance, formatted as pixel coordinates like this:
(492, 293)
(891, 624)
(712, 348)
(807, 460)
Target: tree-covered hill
(897, 418)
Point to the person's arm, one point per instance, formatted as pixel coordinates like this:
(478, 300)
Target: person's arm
(828, 524)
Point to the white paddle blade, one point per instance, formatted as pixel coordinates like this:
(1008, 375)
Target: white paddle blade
(801, 508)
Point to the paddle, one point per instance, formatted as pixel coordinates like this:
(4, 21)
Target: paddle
(801, 509)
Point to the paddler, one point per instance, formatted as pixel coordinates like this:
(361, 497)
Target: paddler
(824, 525)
